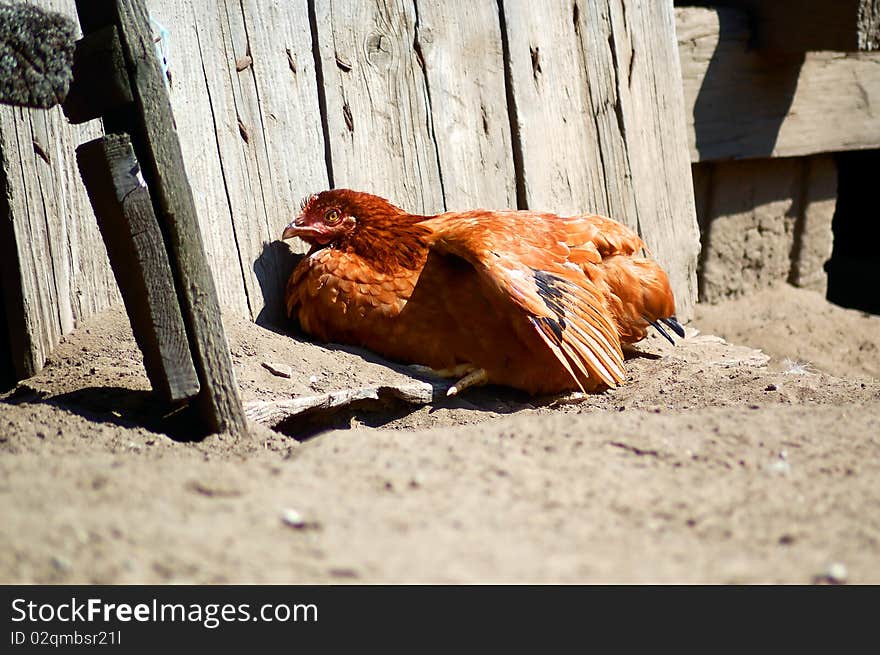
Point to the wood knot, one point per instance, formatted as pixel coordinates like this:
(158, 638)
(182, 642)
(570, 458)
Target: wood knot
(379, 49)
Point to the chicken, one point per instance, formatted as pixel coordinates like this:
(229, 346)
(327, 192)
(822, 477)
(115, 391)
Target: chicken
(525, 299)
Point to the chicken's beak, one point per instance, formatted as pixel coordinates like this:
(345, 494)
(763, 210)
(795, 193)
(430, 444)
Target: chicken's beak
(294, 228)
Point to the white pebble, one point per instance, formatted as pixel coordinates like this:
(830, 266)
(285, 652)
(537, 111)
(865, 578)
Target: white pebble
(780, 466)
(292, 518)
(837, 572)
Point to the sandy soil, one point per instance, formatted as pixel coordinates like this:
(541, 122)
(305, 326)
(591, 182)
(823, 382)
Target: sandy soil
(715, 463)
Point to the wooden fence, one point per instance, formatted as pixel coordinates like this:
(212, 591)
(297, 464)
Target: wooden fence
(570, 106)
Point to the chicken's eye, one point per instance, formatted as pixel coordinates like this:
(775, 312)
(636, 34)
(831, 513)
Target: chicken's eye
(332, 216)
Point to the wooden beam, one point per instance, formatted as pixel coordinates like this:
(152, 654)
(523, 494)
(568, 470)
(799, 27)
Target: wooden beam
(163, 166)
(808, 25)
(137, 254)
(100, 81)
(741, 103)
(151, 125)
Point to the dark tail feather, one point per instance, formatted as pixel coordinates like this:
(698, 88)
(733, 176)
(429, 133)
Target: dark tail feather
(670, 322)
(673, 323)
(660, 329)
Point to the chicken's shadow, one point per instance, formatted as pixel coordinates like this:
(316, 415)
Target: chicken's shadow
(272, 270)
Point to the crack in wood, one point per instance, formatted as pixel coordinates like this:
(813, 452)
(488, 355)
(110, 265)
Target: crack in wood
(417, 48)
(322, 93)
(512, 113)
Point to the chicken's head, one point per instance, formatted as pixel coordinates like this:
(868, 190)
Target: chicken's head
(326, 217)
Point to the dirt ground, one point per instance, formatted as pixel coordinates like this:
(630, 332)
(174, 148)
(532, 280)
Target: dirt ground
(715, 463)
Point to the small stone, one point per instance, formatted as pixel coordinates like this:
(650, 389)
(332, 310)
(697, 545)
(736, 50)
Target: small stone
(293, 518)
(60, 563)
(343, 573)
(779, 466)
(281, 370)
(835, 574)
(770, 387)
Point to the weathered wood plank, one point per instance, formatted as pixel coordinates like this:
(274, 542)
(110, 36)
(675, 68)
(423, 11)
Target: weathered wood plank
(162, 161)
(251, 138)
(804, 25)
(275, 413)
(462, 55)
(137, 254)
(602, 130)
(379, 124)
(58, 271)
(101, 82)
(561, 156)
(55, 268)
(741, 103)
(207, 127)
(648, 76)
(281, 91)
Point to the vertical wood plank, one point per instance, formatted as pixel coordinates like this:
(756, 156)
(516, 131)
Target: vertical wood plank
(648, 76)
(461, 49)
(599, 117)
(55, 267)
(282, 93)
(381, 135)
(562, 167)
(251, 138)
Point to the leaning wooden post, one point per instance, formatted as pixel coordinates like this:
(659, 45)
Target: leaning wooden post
(137, 255)
(149, 121)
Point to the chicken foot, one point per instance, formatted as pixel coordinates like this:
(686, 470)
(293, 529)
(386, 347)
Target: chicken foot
(467, 374)
(474, 378)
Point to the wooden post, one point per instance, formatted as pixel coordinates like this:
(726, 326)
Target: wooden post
(102, 83)
(151, 126)
(809, 25)
(137, 254)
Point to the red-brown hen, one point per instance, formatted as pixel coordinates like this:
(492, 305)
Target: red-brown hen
(526, 299)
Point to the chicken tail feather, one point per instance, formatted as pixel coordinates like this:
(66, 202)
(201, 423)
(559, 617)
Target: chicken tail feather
(672, 323)
(582, 333)
(662, 332)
